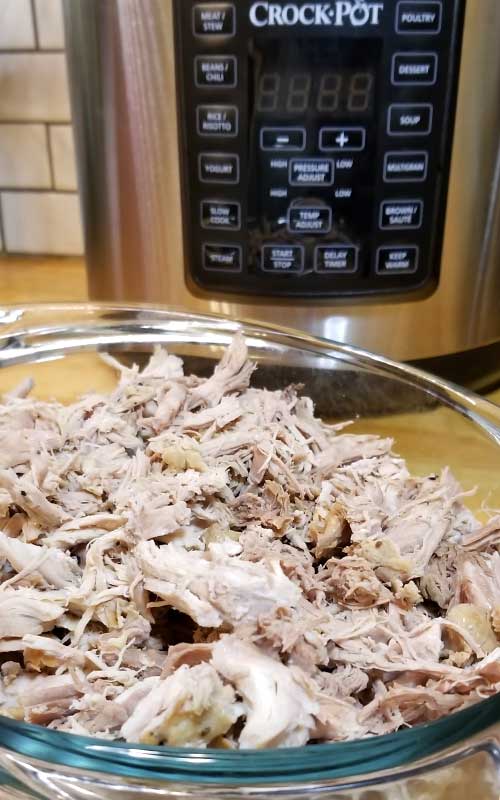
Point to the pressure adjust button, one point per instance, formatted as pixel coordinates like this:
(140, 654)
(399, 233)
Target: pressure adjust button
(214, 19)
(222, 257)
(396, 259)
(215, 72)
(409, 119)
(311, 172)
(419, 16)
(282, 258)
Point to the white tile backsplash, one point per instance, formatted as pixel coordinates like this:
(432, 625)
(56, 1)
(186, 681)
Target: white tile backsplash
(39, 207)
(17, 31)
(63, 157)
(24, 159)
(42, 222)
(34, 87)
(49, 21)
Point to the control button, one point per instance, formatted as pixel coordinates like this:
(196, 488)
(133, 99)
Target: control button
(409, 119)
(396, 259)
(397, 214)
(214, 19)
(311, 172)
(218, 168)
(338, 258)
(282, 139)
(337, 140)
(220, 214)
(215, 71)
(222, 257)
(217, 120)
(282, 258)
(309, 219)
(411, 69)
(419, 16)
(405, 166)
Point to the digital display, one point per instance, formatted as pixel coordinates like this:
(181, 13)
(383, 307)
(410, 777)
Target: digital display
(313, 76)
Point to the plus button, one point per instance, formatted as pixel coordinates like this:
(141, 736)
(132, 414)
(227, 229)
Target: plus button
(342, 139)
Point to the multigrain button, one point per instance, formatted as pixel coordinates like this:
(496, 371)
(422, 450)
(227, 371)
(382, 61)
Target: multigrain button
(214, 19)
(412, 69)
(282, 258)
(311, 172)
(222, 257)
(282, 139)
(218, 214)
(309, 219)
(409, 119)
(396, 259)
(215, 72)
(401, 214)
(338, 259)
(217, 120)
(218, 168)
(405, 166)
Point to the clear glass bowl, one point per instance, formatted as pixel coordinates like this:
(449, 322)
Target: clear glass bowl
(434, 423)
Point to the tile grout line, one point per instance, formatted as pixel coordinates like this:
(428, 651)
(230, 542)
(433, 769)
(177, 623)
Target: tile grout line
(35, 24)
(50, 155)
(2, 231)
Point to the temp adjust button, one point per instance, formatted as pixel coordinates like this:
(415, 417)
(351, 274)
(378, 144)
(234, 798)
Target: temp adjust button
(217, 120)
(282, 258)
(396, 259)
(340, 258)
(419, 16)
(217, 214)
(398, 214)
(215, 72)
(409, 119)
(311, 172)
(214, 19)
(222, 257)
(309, 219)
(218, 168)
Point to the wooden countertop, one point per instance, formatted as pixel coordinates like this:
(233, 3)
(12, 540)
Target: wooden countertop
(428, 440)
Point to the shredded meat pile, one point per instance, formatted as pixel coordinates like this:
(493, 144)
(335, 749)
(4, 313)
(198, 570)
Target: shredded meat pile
(195, 562)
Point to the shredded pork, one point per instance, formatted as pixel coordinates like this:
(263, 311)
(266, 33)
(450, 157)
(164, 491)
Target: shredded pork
(196, 562)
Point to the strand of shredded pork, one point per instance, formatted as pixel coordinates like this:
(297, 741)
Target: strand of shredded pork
(196, 562)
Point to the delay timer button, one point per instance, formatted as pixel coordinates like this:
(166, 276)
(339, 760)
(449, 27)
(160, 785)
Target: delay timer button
(214, 19)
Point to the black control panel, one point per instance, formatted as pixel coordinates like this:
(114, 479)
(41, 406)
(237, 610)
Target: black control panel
(315, 141)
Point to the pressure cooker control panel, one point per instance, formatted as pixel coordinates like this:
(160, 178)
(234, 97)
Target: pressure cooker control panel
(315, 141)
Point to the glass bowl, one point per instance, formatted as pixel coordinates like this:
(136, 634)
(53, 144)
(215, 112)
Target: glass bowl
(433, 422)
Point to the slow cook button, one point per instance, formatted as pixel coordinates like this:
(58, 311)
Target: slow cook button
(409, 119)
(311, 172)
(218, 168)
(405, 166)
(418, 16)
(282, 258)
(309, 219)
(341, 258)
(396, 259)
(216, 214)
(214, 19)
(222, 257)
(217, 120)
(398, 214)
(215, 72)
(411, 69)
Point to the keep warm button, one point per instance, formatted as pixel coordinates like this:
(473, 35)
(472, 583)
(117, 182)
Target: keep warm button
(396, 259)
(311, 172)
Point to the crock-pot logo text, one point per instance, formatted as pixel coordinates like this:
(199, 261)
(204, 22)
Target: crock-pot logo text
(342, 12)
